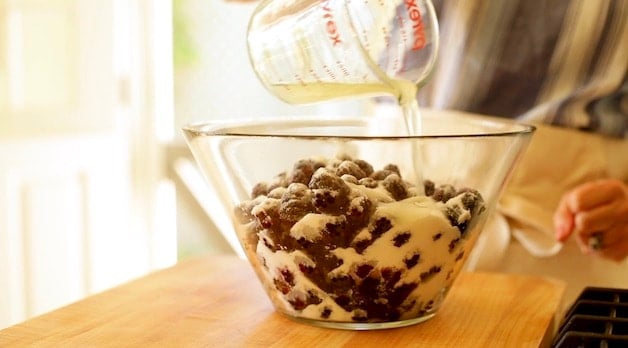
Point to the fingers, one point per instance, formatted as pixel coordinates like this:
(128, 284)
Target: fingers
(563, 220)
(594, 209)
(600, 218)
(599, 242)
(591, 207)
(596, 241)
(593, 194)
(614, 247)
(618, 251)
(580, 199)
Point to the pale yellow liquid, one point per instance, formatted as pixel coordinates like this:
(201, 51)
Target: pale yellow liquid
(403, 91)
(319, 91)
(316, 92)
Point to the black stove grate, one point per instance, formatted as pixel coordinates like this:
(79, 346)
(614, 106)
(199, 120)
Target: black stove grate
(597, 318)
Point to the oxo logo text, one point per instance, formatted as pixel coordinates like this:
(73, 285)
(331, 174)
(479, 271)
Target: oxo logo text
(330, 26)
(417, 24)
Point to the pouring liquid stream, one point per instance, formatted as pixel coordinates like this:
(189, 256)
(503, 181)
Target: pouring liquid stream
(413, 126)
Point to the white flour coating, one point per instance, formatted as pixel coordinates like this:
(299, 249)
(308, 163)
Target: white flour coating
(311, 226)
(420, 242)
(430, 236)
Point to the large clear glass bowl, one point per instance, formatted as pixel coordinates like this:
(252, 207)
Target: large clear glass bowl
(350, 225)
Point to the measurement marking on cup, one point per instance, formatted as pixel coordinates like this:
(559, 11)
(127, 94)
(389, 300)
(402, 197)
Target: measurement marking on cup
(299, 79)
(343, 68)
(386, 36)
(329, 72)
(330, 26)
(402, 29)
(365, 40)
(314, 75)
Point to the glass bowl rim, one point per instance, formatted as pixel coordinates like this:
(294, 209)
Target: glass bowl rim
(244, 127)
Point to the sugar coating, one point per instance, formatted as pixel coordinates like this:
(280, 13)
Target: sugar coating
(340, 241)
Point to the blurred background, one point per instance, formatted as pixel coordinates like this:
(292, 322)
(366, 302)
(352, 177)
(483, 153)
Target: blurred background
(97, 186)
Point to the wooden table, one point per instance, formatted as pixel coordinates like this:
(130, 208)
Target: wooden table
(217, 302)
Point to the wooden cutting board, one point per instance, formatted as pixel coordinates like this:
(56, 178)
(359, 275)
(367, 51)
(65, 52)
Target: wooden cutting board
(218, 302)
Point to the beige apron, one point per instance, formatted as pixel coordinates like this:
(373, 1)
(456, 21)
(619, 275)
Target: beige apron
(557, 160)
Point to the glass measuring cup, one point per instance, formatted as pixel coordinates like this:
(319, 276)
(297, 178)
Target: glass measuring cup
(307, 51)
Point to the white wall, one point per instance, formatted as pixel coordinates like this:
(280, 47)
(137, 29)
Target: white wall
(221, 82)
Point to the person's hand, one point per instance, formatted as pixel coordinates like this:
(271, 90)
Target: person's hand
(596, 213)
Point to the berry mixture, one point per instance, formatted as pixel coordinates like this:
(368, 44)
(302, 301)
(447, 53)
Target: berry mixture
(335, 239)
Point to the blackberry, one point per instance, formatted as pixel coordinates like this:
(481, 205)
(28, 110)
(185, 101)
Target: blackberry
(267, 213)
(366, 167)
(400, 294)
(453, 213)
(452, 245)
(331, 193)
(427, 275)
(471, 199)
(296, 191)
(444, 193)
(393, 168)
(360, 206)
(268, 243)
(297, 303)
(282, 286)
(381, 174)
(326, 312)
(336, 233)
(351, 168)
(306, 269)
(343, 301)
(296, 202)
(287, 276)
(260, 189)
(350, 178)
(381, 226)
(361, 245)
(369, 288)
(429, 187)
(363, 270)
(397, 188)
(359, 213)
(303, 170)
(390, 276)
(368, 182)
(276, 192)
(325, 179)
(342, 285)
(360, 315)
(324, 200)
(412, 260)
(300, 303)
(294, 210)
(401, 239)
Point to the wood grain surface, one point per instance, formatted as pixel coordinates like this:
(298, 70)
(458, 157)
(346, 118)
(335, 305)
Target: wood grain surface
(217, 302)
